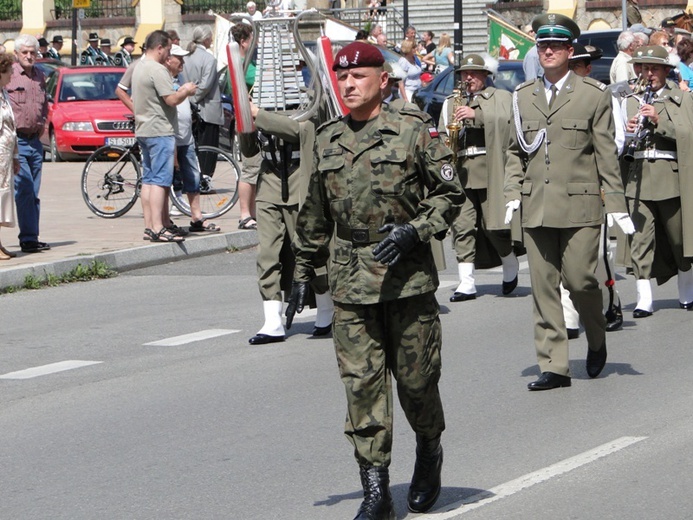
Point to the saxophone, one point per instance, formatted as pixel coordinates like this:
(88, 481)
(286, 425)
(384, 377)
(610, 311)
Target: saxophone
(460, 99)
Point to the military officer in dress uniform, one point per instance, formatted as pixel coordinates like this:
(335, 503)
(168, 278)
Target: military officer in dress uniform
(55, 47)
(281, 188)
(383, 185)
(481, 119)
(561, 153)
(123, 57)
(92, 55)
(659, 187)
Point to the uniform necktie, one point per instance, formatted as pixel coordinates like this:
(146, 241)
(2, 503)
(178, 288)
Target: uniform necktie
(554, 93)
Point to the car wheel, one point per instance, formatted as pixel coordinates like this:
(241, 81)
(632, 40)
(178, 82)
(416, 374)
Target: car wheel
(55, 155)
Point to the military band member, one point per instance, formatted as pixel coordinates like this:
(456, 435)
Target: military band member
(92, 55)
(55, 48)
(483, 121)
(105, 50)
(659, 188)
(43, 48)
(123, 57)
(281, 188)
(383, 185)
(581, 64)
(561, 153)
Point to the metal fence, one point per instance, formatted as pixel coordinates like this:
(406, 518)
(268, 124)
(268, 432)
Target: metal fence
(218, 6)
(11, 10)
(98, 9)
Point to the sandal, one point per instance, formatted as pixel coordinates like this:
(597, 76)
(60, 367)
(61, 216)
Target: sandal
(149, 234)
(198, 226)
(166, 235)
(177, 230)
(247, 223)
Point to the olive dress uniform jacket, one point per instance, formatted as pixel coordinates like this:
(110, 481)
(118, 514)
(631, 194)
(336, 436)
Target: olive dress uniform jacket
(399, 171)
(560, 187)
(667, 178)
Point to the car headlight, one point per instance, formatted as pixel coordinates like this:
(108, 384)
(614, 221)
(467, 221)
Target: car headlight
(78, 126)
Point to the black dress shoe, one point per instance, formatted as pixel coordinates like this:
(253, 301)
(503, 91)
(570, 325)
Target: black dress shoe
(549, 381)
(509, 287)
(687, 306)
(614, 318)
(640, 313)
(34, 247)
(322, 331)
(262, 339)
(573, 333)
(462, 297)
(596, 359)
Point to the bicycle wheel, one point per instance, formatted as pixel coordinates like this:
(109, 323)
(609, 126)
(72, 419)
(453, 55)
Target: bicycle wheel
(111, 181)
(219, 193)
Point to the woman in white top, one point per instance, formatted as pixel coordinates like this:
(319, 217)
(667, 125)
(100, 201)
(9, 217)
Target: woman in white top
(411, 67)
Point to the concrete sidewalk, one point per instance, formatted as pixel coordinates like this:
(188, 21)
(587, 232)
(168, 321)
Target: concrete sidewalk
(77, 236)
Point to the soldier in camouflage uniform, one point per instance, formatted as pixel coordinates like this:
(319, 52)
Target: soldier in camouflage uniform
(382, 187)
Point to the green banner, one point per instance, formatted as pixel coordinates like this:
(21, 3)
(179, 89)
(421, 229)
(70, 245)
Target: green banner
(506, 42)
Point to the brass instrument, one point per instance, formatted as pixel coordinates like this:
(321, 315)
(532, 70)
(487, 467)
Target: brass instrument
(641, 133)
(454, 128)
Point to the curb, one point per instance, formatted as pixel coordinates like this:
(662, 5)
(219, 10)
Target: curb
(134, 258)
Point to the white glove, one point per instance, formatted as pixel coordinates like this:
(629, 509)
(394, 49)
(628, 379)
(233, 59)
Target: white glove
(623, 220)
(511, 208)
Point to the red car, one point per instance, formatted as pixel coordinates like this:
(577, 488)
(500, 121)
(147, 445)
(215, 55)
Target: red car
(83, 112)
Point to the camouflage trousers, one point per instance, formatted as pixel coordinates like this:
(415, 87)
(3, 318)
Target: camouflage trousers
(373, 343)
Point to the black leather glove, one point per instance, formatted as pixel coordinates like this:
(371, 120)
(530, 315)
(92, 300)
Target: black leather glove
(297, 300)
(401, 240)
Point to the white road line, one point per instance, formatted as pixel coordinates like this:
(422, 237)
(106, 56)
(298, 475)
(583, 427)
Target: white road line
(44, 370)
(530, 479)
(190, 338)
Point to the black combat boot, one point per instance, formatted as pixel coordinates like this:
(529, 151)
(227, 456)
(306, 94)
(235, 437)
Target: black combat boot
(425, 484)
(377, 502)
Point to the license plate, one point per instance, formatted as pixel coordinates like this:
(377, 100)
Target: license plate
(121, 141)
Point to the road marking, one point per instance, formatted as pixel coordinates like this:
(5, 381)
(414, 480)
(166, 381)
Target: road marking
(190, 338)
(52, 368)
(529, 480)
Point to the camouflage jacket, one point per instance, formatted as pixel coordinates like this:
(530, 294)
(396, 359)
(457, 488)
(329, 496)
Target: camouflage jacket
(399, 171)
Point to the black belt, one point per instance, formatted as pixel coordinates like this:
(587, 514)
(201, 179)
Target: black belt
(360, 236)
(26, 136)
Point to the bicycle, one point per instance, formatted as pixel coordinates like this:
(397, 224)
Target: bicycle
(112, 178)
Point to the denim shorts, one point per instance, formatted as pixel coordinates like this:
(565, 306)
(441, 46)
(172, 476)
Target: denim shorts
(157, 160)
(189, 168)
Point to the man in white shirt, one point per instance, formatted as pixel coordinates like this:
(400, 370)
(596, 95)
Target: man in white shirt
(621, 70)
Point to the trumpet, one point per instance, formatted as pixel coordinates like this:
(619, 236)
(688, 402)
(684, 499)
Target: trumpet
(454, 127)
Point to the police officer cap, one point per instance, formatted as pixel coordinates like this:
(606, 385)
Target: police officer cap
(555, 27)
(588, 53)
(57, 39)
(127, 40)
(474, 62)
(358, 54)
(105, 42)
(93, 37)
(654, 54)
(668, 22)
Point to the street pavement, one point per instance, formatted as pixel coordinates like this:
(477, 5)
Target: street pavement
(77, 235)
(167, 413)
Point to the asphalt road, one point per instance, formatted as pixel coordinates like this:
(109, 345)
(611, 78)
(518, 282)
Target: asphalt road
(207, 427)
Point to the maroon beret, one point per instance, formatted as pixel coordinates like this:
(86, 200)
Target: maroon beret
(358, 54)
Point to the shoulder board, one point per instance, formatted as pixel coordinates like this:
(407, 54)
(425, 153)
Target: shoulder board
(330, 122)
(525, 84)
(594, 83)
(413, 110)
